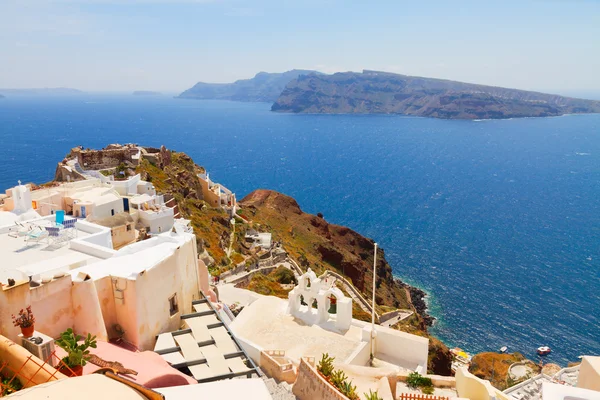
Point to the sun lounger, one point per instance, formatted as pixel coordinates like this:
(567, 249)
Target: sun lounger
(36, 235)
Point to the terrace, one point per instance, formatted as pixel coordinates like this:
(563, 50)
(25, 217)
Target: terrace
(43, 255)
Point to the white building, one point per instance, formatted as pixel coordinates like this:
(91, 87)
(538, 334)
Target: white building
(132, 186)
(259, 239)
(152, 213)
(16, 206)
(81, 282)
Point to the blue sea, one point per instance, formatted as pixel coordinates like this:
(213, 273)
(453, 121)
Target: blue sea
(499, 221)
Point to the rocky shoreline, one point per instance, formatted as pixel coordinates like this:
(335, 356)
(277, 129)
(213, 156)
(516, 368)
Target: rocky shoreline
(417, 297)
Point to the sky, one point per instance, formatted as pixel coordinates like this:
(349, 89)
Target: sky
(169, 45)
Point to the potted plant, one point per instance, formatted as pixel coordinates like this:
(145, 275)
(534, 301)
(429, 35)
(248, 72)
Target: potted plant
(77, 354)
(25, 321)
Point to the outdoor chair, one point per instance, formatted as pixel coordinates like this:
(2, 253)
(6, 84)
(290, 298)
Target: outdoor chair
(59, 217)
(55, 234)
(69, 227)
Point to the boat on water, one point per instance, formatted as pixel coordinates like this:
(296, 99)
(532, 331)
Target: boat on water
(544, 350)
(503, 349)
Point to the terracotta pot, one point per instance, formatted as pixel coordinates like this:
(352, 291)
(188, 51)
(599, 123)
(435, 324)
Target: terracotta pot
(27, 331)
(72, 371)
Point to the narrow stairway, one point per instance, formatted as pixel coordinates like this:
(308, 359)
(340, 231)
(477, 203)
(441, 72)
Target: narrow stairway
(279, 391)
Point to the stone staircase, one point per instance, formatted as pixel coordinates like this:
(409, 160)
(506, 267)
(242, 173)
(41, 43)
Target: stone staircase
(279, 391)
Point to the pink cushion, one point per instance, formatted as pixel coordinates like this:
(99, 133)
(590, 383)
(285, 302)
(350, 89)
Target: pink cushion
(153, 371)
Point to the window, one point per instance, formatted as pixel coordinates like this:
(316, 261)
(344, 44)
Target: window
(128, 227)
(173, 307)
(112, 212)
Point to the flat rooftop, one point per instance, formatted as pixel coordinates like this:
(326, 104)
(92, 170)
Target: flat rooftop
(37, 257)
(266, 323)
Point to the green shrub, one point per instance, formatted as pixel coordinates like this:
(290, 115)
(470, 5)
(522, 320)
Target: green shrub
(77, 354)
(427, 389)
(326, 365)
(372, 395)
(284, 275)
(10, 386)
(416, 381)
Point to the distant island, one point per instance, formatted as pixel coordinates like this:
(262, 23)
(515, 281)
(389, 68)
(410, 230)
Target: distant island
(146, 93)
(372, 92)
(42, 92)
(264, 87)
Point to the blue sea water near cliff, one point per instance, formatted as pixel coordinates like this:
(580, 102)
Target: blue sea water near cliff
(498, 220)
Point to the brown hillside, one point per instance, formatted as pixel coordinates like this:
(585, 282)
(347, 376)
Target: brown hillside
(317, 244)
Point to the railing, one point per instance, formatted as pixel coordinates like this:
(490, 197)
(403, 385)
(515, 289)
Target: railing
(418, 396)
(276, 353)
(43, 372)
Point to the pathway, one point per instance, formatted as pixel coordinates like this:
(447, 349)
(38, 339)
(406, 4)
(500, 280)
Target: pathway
(402, 315)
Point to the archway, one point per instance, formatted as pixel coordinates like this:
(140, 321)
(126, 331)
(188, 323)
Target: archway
(331, 303)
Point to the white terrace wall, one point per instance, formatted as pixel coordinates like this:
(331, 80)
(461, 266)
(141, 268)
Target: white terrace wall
(153, 288)
(471, 387)
(87, 313)
(401, 348)
(589, 373)
(56, 305)
(106, 298)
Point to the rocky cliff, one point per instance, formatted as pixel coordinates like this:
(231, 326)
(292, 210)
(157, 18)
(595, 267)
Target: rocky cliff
(383, 93)
(317, 244)
(263, 87)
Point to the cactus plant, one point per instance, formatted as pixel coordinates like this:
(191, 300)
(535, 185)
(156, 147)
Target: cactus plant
(326, 365)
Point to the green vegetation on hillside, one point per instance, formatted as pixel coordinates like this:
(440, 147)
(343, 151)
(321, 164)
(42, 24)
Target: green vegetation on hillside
(179, 179)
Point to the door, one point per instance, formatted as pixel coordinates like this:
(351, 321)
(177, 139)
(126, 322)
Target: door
(82, 211)
(126, 204)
